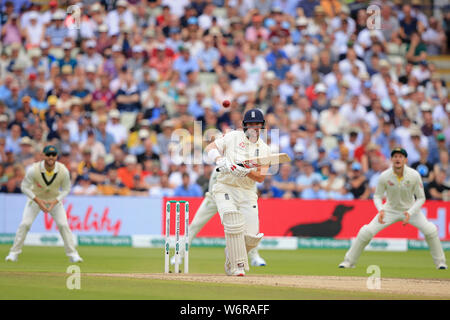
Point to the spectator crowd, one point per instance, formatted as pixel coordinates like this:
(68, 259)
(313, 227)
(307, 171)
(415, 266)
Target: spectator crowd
(109, 82)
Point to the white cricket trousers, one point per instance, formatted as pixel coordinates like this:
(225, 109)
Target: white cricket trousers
(230, 199)
(29, 215)
(418, 220)
(205, 213)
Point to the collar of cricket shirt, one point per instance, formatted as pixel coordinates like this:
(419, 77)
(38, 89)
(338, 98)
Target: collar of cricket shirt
(44, 170)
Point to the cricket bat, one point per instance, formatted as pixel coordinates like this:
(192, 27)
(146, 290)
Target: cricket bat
(273, 159)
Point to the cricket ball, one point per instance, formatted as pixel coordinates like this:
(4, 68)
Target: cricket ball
(226, 103)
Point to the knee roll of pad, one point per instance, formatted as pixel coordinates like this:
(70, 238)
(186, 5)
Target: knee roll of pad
(233, 223)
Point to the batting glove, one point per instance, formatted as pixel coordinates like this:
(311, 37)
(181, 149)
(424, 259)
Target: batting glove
(239, 171)
(224, 165)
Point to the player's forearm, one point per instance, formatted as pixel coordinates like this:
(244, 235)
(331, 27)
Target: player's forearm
(27, 191)
(256, 176)
(25, 187)
(419, 193)
(62, 195)
(378, 201)
(65, 188)
(417, 205)
(213, 152)
(379, 194)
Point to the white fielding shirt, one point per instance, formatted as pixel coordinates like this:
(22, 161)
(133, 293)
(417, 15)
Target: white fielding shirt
(52, 188)
(403, 195)
(236, 147)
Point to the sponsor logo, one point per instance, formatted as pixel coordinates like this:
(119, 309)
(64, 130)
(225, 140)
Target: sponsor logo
(379, 244)
(49, 239)
(89, 221)
(323, 243)
(208, 242)
(122, 241)
(7, 238)
(158, 242)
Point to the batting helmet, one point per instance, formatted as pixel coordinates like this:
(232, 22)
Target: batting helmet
(253, 116)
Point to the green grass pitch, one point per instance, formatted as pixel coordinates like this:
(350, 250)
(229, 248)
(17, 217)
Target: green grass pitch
(40, 273)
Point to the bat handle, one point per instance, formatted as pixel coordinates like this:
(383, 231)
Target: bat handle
(239, 164)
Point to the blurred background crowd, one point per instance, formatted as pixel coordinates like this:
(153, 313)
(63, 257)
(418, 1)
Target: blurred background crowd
(108, 82)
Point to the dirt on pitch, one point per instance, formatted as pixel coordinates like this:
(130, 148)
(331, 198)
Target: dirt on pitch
(436, 288)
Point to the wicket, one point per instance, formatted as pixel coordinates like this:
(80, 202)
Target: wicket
(177, 236)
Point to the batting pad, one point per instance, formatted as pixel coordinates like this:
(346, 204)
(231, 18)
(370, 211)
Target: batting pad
(252, 241)
(234, 223)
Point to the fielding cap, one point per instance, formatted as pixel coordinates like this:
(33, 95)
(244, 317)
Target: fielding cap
(399, 150)
(50, 149)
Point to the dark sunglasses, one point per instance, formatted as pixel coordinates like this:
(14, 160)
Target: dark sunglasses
(51, 154)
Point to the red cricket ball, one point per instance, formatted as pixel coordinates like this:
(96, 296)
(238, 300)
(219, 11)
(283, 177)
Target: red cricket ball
(226, 103)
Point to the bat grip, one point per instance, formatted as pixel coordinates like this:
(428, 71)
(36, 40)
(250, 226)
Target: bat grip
(239, 164)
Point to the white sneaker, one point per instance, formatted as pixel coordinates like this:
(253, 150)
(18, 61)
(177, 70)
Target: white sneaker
(13, 257)
(257, 261)
(442, 266)
(75, 258)
(345, 264)
(239, 272)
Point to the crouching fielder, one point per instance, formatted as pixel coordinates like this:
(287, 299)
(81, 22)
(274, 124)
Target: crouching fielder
(400, 183)
(235, 193)
(42, 184)
(205, 212)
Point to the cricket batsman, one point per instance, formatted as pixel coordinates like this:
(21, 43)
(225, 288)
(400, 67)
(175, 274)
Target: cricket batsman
(205, 212)
(46, 183)
(235, 191)
(404, 199)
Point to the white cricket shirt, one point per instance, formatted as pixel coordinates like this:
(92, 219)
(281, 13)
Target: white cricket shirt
(236, 147)
(38, 183)
(402, 195)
